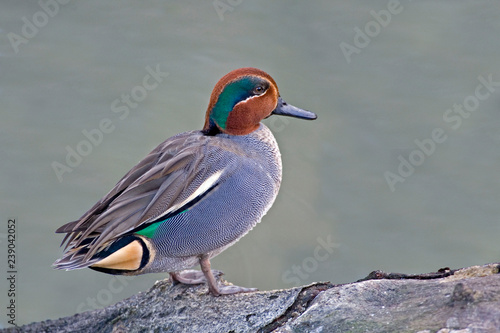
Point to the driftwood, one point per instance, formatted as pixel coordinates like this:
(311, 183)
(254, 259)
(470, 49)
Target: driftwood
(461, 301)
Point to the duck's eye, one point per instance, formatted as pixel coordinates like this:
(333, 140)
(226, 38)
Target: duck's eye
(258, 90)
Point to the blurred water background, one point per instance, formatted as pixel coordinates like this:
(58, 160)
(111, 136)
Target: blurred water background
(399, 172)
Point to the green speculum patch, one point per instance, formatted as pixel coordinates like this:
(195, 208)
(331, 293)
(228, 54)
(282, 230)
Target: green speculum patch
(232, 94)
(149, 231)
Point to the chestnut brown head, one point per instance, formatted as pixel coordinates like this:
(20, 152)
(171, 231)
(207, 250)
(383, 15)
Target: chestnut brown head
(242, 98)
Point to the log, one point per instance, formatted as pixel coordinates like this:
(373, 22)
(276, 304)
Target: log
(462, 301)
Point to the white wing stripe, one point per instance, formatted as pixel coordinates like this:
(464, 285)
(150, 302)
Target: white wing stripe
(205, 186)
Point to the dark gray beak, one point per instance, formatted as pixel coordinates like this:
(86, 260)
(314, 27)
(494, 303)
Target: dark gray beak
(284, 109)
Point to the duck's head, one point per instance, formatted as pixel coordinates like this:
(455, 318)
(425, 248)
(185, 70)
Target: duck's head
(242, 98)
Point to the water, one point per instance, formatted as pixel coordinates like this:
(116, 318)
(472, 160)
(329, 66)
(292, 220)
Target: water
(336, 217)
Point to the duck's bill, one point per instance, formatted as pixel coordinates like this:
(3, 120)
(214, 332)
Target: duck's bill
(284, 109)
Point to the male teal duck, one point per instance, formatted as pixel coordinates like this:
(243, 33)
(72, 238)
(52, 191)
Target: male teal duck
(194, 195)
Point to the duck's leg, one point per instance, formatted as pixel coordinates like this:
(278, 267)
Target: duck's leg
(213, 286)
(189, 276)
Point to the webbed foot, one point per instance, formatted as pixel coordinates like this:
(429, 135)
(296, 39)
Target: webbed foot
(216, 289)
(229, 290)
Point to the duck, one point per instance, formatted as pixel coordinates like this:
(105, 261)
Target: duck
(193, 196)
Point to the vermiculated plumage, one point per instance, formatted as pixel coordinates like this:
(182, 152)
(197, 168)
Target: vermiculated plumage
(194, 195)
(162, 183)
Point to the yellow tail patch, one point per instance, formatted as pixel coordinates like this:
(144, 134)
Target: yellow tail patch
(127, 258)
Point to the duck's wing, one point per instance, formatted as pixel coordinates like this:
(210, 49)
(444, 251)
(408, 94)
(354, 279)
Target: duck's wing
(167, 181)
